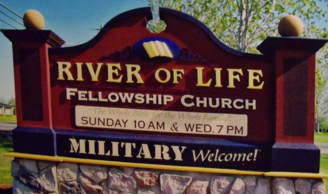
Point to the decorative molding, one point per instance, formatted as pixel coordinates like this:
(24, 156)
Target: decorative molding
(187, 56)
(125, 54)
(40, 36)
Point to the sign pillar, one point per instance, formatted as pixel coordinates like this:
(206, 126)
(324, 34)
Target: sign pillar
(32, 86)
(295, 103)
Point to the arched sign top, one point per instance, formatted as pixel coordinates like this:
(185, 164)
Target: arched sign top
(185, 67)
(186, 23)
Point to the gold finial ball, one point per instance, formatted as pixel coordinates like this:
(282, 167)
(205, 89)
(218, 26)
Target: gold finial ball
(33, 20)
(290, 26)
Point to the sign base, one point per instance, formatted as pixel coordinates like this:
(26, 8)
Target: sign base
(35, 176)
(295, 157)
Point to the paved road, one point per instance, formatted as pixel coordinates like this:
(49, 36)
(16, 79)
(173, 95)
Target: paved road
(7, 126)
(323, 147)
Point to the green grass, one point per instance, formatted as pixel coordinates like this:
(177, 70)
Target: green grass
(7, 118)
(5, 163)
(324, 167)
(321, 137)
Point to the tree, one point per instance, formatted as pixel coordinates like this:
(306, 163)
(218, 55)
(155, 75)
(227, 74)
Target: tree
(321, 96)
(12, 102)
(243, 24)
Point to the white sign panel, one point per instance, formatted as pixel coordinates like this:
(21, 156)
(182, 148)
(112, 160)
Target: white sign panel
(161, 121)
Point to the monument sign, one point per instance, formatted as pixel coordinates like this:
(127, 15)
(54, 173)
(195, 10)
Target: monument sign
(179, 99)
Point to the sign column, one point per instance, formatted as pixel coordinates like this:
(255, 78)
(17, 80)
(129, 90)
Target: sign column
(294, 60)
(32, 84)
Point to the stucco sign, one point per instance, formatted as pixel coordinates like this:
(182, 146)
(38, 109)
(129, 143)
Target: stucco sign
(180, 97)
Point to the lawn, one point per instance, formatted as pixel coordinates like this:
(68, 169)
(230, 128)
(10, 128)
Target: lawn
(5, 162)
(324, 167)
(7, 118)
(321, 137)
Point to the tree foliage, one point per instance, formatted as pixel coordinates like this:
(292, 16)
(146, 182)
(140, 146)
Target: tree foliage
(242, 24)
(12, 102)
(321, 96)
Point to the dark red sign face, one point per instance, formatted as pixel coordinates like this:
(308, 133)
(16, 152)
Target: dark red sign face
(181, 82)
(180, 97)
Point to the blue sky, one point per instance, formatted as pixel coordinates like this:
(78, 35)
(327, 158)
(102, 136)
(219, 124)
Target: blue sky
(71, 20)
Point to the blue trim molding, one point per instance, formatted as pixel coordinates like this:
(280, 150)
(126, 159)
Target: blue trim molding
(34, 141)
(295, 157)
(155, 149)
